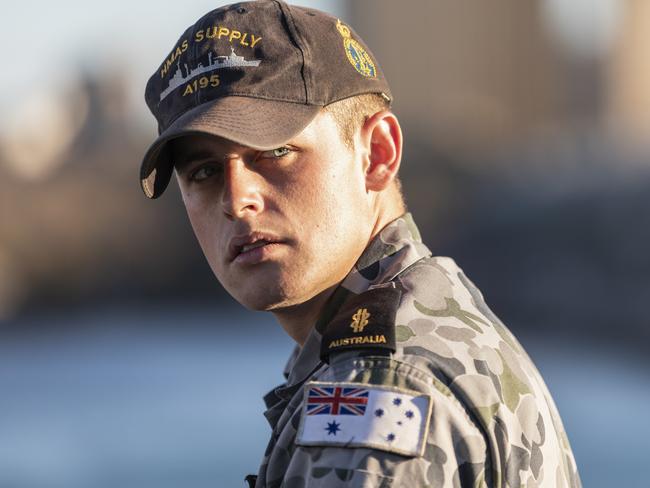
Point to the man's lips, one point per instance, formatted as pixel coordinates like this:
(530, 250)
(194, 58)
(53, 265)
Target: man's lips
(245, 244)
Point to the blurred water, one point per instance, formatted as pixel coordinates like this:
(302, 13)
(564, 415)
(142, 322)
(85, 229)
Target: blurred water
(163, 400)
(131, 401)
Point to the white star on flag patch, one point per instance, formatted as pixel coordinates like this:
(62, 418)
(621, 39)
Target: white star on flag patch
(358, 415)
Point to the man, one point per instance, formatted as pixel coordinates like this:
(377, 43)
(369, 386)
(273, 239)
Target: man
(276, 122)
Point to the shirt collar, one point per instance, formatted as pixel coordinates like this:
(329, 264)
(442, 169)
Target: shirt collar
(395, 248)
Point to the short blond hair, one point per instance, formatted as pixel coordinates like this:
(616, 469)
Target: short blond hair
(351, 113)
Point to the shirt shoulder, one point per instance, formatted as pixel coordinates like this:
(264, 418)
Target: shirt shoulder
(443, 325)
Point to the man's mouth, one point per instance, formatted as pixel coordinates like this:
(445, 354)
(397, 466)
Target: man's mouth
(251, 248)
(255, 245)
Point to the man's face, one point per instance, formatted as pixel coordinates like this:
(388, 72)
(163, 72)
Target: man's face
(277, 227)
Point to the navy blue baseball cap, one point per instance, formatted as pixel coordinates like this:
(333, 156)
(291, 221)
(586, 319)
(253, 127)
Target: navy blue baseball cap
(256, 73)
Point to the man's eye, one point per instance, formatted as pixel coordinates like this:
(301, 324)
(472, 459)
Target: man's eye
(278, 152)
(281, 151)
(203, 173)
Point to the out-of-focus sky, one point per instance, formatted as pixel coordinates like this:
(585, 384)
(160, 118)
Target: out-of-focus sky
(44, 43)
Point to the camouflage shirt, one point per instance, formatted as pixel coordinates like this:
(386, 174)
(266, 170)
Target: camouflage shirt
(490, 420)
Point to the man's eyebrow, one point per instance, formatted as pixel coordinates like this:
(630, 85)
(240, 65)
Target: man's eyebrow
(183, 161)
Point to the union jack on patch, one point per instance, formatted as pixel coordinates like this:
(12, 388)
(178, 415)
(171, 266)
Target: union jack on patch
(335, 400)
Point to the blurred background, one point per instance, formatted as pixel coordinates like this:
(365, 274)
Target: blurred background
(123, 362)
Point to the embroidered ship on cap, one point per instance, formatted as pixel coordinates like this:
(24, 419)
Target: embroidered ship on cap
(214, 63)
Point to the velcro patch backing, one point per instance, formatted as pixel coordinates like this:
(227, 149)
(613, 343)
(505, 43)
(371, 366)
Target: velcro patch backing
(357, 415)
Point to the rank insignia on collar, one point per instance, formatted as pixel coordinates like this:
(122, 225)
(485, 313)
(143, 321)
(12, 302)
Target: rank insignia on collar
(366, 321)
(360, 319)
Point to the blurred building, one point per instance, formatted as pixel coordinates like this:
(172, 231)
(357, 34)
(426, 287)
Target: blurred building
(472, 77)
(468, 76)
(75, 228)
(628, 74)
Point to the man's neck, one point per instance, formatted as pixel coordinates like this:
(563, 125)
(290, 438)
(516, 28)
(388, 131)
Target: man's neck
(298, 320)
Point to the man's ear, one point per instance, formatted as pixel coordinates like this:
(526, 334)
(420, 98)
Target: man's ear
(381, 135)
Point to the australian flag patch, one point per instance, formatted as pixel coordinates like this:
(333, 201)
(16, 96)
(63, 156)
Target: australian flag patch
(359, 415)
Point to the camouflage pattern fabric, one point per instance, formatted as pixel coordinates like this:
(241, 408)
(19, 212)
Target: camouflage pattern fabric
(493, 422)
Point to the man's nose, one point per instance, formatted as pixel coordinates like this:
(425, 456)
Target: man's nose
(241, 195)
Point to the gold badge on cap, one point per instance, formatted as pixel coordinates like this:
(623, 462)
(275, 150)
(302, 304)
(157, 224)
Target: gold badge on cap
(357, 55)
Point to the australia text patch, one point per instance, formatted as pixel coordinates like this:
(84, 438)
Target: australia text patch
(366, 321)
(358, 415)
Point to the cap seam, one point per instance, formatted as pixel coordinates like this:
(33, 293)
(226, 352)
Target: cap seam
(306, 56)
(297, 41)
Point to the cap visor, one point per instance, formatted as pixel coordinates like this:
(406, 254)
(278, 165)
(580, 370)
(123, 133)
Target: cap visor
(253, 122)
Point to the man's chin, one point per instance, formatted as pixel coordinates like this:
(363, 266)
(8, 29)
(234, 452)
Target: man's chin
(283, 293)
(271, 302)
(262, 301)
